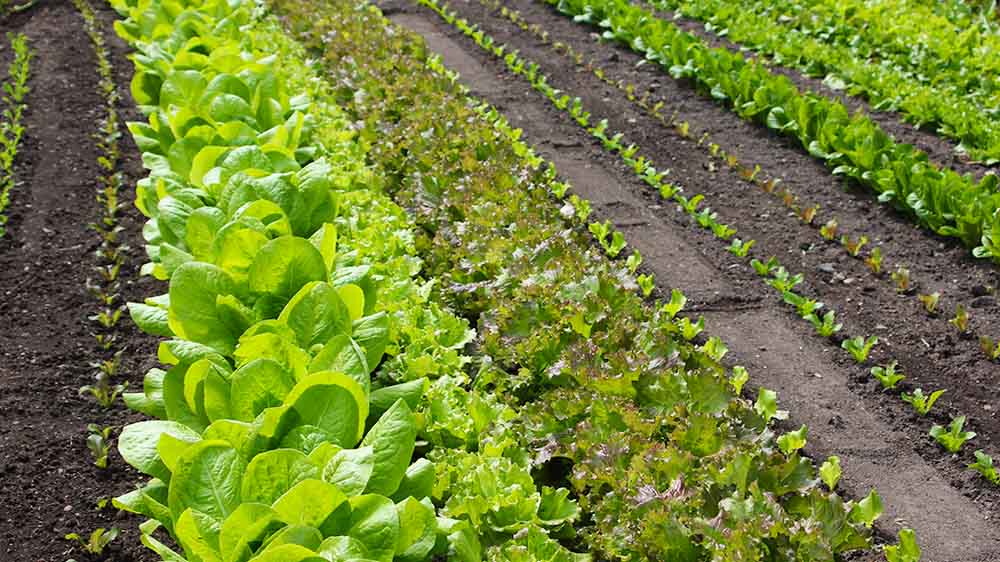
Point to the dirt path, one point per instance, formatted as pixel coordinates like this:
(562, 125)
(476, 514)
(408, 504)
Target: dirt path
(811, 377)
(49, 485)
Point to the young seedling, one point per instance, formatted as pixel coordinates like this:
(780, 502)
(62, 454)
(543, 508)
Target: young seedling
(764, 268)
(97, 542)
(853, 247)
(874, 260)
(646, 284)
(714, 348)
(677, 302)
(887, 375)
(684, 129)
(859, 347)
(690, 330)
(827, 326)
(901, 277)
(749, 174)
(830, 472)
(961, 320)
(808, 214)
(600, 230)
(99, 443)
(633, 262)
(829, 230)
(103, 391)
(984, 466)
(930, 302)
(770, 185)
(739, 378)
(953, 438)
(740, 248)
(784, 282)
(990, 348)
(616, 245)
(906, 551)
(803, 305)
(667, 190)
(922, 404)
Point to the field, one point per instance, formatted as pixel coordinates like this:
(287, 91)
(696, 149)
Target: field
(503, 280)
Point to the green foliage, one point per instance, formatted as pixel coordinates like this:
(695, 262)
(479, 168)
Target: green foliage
(952, 438)
(99, 444)
(825, 326)
(984, 466)
(96, 542)
(887, 375)
(921, 403)
(103, 391)
(906, 551)
(15, 89)
(859, 347)
(830, 472)
(740, 248)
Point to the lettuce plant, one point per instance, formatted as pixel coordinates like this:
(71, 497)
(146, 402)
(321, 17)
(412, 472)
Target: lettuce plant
(825, 326)
(984, 466)
(740, 248)
(901, 278)
(887, 375)
(96, 542)
(99, 444)
(906, 551)
(829, 230)
(859, 347)
(830, 472)
(921, 403)
(930, 302)
(961, 319)
(874, 260)
(952, 438)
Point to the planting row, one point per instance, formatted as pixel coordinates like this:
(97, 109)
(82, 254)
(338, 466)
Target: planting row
(15, 88)
(296, 387)
(578, 348)
(944, 80)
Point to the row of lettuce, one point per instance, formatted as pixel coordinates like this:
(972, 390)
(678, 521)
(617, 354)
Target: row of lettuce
(315, 402)
(318, 401)
(665, 456)
(900, 56)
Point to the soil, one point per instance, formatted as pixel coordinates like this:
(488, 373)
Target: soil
(880, 441)
(49, 485)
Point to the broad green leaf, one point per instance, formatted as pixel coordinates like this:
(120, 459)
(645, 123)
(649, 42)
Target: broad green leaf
(418, 481)
(150, 319)
(342, 355)
(325, 240)
(269, 475)
(867, 510)
(410, 392)
(375, 523)
(259, 384)
(316, 314)
(288, 553)
(417, 530)
(830, 472)
(392, 438)
(208, 479)
(372, 334)
(793, 440)
(285, 265)
(138, 441)
(350, 470)
(249, 524)
(354, 298)
(334, 402)
(342, 548)
(311, 502)
(194, 288)
(198, 534)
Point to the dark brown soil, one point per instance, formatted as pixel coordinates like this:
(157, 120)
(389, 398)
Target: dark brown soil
(876, 434)
(49, 485)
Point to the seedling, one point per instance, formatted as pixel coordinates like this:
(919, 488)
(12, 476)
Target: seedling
(690, 330)
(906, 551)
(859, 347)
(984, 466)
(930, 302)
(739, 378)
(749, 174)
(804, 305)
(788, 198)
(722, 231)
(827, 326)
(829, 230)
(901, 277)
(922, 404)
(581, 207)
(784, 282)
(953, 438)
(887, 375)
(677, 301)
(616, 245)
(714, 348)
(990, 348)
(103, 391)
(770, 185)
(961, 320)
(600, 231)
(874, 260)
(764, 268)
(98, 541)
(732, 161)
(633, 262)
(808, 214)
(684, 129)
(740, 248)
(646, 284)
(690, 205)
(667, 191)
(853, 247)
(99, 443)
(830, 472)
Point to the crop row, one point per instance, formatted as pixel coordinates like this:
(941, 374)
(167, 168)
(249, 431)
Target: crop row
(15, 88)
(575, 343)
(776, 276)
(301, 337)
(946, 81)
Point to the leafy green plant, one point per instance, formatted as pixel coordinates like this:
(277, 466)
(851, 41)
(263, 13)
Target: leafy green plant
(859, 347)
(874, 260)
(930, 302)
(853, 247)
(103, 391)
(646, 284)
(764, 268)
(676, 304)
(990, 347)
(99, 443)
(740, 248)
(96, 542)
(952, 438)
(887, 375)
(901, 278)
(961, 319)
(690, 330)
(808, 214)
(825, 326)
(830, 472)
(829, 230)
(922, 404)
(803, 305)
(15, 89)
(984, 466)
(783, 281)
(906, 551)
(633, 262)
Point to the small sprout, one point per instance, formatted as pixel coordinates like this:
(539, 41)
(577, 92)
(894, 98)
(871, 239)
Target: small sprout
(713, 149)
(732, 161)
(715, 349)
(99, 443)
(722, 231)
(901, 277)
(887, 375)
(853, 247)
(984, 466)
(788, 198)
(103, 391)
(677, 302)
(961, 319)
(633, 262)
(808, 214)
(793, 440)
(616, 245)
(874, 260)
(750, 174)
(684, 129)
(690, 330)
(98, 541)
(667, 190)
(764, 268)
(739, 248)
(690, 205)
(859, 347)
(770, 185)
(827, 326)
(953, 438)
(703, 139)
(906, 551)
(830, 472)
(829, 230)
(990, 348)
(804, 305)
(930, 302)
(783, 281)
(867, 510)
(739, 378)
(922, 404)
(645, 284)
